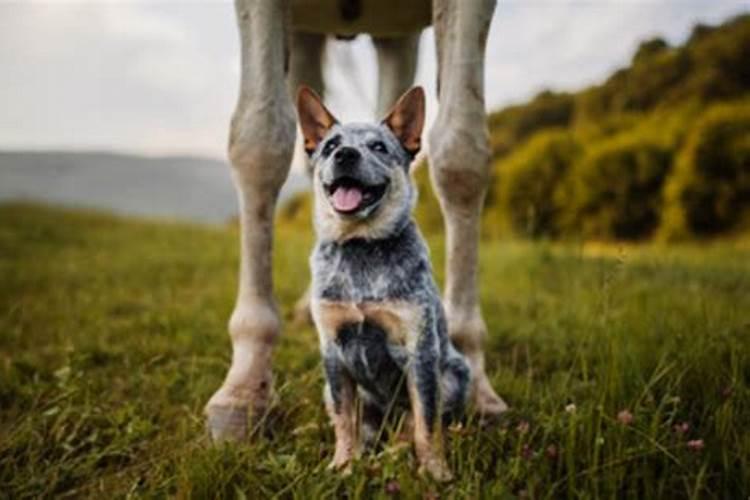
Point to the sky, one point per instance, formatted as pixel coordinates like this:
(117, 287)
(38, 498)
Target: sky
(161, 77)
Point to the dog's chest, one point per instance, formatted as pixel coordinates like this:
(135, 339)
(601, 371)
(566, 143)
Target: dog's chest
(367, 272)
(347, 283)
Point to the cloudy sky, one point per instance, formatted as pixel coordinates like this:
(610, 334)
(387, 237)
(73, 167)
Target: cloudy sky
(160, 77)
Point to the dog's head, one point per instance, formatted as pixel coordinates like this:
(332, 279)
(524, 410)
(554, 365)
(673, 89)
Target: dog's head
(361, 171)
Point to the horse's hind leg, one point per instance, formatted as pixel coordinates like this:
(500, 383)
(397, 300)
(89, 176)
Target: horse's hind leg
(397, 65)
(305, 67)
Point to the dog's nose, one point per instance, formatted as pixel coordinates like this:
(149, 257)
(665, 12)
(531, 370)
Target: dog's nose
(346, 157)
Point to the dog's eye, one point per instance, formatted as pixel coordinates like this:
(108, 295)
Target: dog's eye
(330, 146)
(378, 147)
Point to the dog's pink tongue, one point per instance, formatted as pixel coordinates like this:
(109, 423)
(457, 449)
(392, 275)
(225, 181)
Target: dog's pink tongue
(346, 199)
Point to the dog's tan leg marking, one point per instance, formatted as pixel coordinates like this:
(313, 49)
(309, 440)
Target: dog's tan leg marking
(428, 442)
(460, 171)
(403, 322)
(344, 424)
(329, 317)
(260, 149)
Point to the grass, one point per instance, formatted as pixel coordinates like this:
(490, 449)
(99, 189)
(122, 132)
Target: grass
(113, 337)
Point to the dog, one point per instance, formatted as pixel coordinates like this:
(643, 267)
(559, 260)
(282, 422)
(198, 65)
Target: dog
(374, 302)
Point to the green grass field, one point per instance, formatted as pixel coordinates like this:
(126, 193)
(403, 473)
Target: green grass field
(113, 337)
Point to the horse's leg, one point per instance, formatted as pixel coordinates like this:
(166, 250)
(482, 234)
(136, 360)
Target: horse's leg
(460, 170)
(305, 62)
(305, 67)
(260, 150)
(397, 65)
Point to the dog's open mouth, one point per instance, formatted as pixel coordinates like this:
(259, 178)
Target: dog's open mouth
(348, 195)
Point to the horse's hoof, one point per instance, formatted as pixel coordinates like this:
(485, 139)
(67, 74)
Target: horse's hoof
(341, 465)
(487, 403)
(226, 423)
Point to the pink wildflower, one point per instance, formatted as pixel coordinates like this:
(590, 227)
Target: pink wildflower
(682, 428)
(625, 417)
(392, 487)
(696, 445)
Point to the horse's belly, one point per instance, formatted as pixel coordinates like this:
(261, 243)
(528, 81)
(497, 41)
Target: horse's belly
(350, 17)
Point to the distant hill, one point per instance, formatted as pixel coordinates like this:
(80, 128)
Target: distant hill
(176, 187)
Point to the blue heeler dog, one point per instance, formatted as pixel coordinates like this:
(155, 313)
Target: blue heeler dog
(375, 304)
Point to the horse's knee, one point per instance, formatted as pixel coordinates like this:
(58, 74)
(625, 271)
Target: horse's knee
(254, 322)
(459, 164)
(466, 328)
(261, 142)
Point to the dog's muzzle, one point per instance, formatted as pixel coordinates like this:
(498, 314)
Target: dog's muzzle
(350, 196)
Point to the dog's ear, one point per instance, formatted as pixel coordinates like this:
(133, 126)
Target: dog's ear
(406, 119)
(314, 119)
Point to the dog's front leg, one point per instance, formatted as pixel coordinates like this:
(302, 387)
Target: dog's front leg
(340, 394)
(424, 392)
